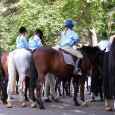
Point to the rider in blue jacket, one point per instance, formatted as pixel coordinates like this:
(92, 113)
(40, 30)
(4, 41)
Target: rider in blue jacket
(68, 39)
(21, 41)
(35, 40)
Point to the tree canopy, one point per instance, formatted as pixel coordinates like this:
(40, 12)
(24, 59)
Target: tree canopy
(50, 15)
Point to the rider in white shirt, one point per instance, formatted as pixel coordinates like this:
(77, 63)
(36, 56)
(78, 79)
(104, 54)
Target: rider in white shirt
(104, 44)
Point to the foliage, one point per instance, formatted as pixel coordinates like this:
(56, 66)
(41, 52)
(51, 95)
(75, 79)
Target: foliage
(49, 16)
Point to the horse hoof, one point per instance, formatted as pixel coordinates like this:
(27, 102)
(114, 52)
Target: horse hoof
(26, 99)
(70, 95)
(85, 105)
(4, 102)
(23, 105)
(76, 104)
(42, 107)
(9, 105)
(64, 96)
(34, 106)
(108, 108)
(93, 100)
(102, 99)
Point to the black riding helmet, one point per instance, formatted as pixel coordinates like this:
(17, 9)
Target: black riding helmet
(22, 29)
(39, 31)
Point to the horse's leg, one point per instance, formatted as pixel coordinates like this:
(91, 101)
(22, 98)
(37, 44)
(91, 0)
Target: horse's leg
(66, 88)
(63, 89)
(107, 105)
(39, 84)
(20, 88)
(59, 90)
(75, 94)
(17, 79)
(92, 97)
(56, 85)
(4, 90)
(0, 85)
(84, 104)
(26, 88)
(69, 88)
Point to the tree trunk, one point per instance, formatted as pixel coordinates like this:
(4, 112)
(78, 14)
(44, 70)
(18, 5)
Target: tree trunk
(92, 32)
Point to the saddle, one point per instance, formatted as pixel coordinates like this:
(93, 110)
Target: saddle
(67, 57)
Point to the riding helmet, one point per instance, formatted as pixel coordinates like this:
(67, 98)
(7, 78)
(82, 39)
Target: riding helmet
(69, 23)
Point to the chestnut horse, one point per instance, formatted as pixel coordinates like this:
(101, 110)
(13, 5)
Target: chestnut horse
(4, 75)
(48, 60)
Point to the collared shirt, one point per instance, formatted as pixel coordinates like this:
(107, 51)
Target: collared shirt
(21, 42)
(104, 44)
(70, 38)
(35, 42)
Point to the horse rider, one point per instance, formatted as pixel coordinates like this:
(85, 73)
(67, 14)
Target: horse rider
(68, 39)
(21, 41)
(104, 43)
(35, 40)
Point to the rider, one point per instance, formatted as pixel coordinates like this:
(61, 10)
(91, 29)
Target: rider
(35, 40)
(104, 43)
(68, 39)
(21, 41)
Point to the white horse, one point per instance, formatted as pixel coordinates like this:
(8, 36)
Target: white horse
(18, 61)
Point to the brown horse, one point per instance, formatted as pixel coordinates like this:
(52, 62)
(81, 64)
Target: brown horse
(4, 75)
(48, 60)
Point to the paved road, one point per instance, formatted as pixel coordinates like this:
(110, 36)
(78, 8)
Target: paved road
(52, 108)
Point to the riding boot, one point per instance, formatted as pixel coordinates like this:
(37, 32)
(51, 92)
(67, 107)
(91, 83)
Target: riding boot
(77, 70)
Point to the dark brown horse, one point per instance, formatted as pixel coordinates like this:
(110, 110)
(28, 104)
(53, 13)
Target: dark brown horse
(47, 60)
(109, 75)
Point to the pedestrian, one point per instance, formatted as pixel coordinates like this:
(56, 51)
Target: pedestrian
(68, 39)
(50, 82)
(21, 41)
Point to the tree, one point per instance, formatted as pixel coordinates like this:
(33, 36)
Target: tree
(50, 15)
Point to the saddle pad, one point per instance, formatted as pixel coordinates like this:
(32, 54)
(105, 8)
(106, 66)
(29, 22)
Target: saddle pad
(68, 59)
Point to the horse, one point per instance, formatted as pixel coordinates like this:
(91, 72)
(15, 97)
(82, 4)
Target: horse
(4, 78)
(48, 60)
(96, 81)
(109, 75)
(66, 87)
(4, 75)
(18, 63)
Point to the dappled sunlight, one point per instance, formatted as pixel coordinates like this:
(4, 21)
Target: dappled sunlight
(78, 111)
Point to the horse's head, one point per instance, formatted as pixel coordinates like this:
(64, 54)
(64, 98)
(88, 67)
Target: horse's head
(94, 54)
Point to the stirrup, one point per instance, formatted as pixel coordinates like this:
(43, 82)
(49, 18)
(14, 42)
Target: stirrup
(77, 71)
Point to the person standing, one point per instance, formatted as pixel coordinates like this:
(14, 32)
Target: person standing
(21, 41)
(68, 39)
(50, 83)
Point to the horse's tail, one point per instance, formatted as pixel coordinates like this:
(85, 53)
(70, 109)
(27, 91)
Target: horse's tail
(11, 71)
(106, 75)
(33, 72)
(1, 71)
